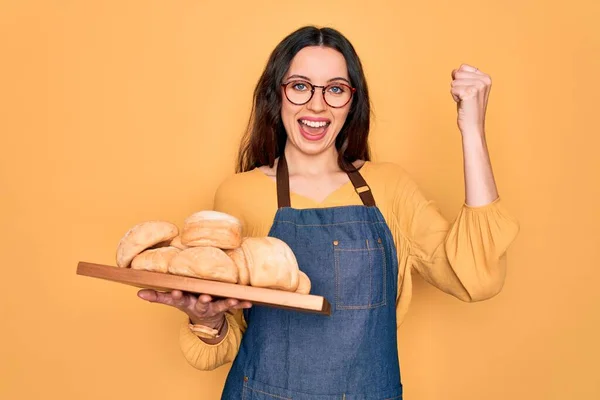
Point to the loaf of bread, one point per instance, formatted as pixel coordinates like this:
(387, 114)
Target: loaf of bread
(176, 242)
(210, 246)
(237, 255)
(205, 263)
(271, 263)
(213, 229)
(155, 260)
(303, 283)
(141, 237)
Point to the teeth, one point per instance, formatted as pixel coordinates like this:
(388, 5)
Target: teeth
(313, 124)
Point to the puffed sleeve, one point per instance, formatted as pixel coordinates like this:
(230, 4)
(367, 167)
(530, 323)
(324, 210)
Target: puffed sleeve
(466, 257)
(207, 357)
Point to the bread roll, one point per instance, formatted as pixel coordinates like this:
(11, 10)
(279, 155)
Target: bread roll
(141, 237)
(303, 283)
(237, 255)
(166, 243)
(271, 263)
(213, 229)
(156, 260)
(176, 242)
(206, 263)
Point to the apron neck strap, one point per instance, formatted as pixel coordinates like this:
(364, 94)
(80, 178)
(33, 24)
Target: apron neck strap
(283, 184)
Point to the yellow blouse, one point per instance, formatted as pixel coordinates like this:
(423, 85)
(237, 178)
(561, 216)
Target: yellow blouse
(464, 259)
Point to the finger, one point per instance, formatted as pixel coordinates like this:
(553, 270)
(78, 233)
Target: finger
(243, 304)
(169, 300)
(459, 90)
(177, 294)
(467, 75)
(182, 300)
(203, 303)
(176, 299)
(468, 91)
(166, 298)
(154, 296)
(468, 82)
(454, 96)
(204, 298)
(467, 67)
(462, 93)
(147, 294)
(223, 305)
(189, 300)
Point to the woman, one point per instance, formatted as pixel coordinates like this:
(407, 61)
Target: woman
(357, 229)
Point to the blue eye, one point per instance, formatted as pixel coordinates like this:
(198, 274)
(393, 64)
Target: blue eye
(336, 89)
(300, 86)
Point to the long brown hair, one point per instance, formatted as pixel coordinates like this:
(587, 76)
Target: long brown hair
(265, 135)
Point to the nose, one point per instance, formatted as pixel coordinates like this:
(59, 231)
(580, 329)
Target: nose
(317, 103)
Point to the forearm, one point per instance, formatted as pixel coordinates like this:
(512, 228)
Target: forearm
(480, 186)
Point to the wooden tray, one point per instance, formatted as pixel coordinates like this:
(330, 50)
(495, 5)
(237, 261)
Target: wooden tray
(166, 282)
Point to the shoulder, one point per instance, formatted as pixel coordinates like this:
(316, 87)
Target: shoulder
(386, 173)
(249, 196)
(394, 188)
(239, 187)
(239, 183)
(243, 190)
(383, 166)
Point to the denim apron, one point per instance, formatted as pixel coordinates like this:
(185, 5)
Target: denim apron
(349, 255)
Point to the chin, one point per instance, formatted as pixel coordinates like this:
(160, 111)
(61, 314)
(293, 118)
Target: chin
(312, 148)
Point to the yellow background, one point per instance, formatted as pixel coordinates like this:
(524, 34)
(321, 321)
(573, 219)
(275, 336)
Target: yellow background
(116, 112)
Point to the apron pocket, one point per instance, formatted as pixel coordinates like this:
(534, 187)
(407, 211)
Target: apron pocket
(254, 390)
(359, 274)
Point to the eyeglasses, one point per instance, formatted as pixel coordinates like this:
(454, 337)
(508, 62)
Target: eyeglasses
(336, 95)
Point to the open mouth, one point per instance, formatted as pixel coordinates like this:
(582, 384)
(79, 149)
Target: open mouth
(313, 130)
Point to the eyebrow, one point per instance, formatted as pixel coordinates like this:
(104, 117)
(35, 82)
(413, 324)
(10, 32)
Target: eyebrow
(337, 78)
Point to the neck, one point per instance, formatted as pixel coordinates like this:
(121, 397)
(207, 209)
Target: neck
(311, 164)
